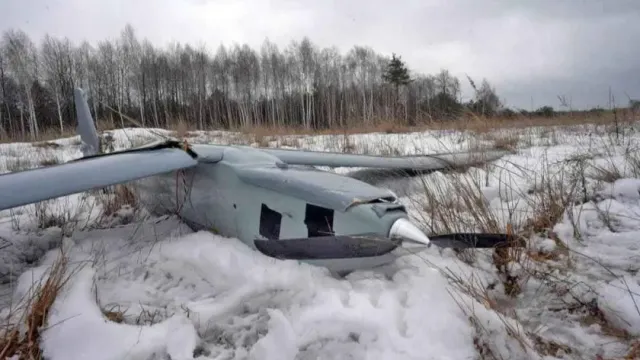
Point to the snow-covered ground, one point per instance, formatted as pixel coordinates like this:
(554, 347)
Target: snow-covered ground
(573, 294)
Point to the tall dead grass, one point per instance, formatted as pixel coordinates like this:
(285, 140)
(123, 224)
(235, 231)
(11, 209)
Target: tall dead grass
(22, 326)
(457, 204)
(20, 334)
(471, 123)
(115, 198)
(468, 122)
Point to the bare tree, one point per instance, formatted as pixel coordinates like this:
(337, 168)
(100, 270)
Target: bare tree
(56, 56)
(22, 62)
(234, 86)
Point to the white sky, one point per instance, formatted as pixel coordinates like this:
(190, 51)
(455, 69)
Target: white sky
(531, 51)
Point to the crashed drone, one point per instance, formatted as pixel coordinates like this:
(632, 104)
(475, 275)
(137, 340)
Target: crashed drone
(273, 200)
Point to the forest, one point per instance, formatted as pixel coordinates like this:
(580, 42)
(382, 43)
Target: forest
(232, 87)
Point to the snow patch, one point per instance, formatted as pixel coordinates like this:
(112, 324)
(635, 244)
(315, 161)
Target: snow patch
(82, 332)
(621, 303)
(220, 298)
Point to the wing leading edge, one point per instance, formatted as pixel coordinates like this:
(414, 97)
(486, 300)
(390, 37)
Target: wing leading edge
(417, 162)
(30, 186)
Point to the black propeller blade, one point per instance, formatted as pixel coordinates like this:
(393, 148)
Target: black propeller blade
(477, 241)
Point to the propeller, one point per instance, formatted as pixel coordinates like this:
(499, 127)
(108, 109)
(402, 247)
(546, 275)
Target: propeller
(474, 240)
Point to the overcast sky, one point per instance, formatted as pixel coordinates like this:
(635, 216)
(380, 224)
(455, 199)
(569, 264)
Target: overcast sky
(530, 50)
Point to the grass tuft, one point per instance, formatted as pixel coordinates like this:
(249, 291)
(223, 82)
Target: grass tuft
(115, 198)
(21, 339)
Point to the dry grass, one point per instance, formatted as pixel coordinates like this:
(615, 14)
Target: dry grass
(46, 145)
(18, 164)
(49, 161)
(634, 351)
(43, 136)
(551, 195)
(464, 209)
(457, 204)
(386, 127)
(115, 198)
(62, 213)
(549, 347)
(477, 125)
(117, 314)
(473, 288)
(181, 129)
(468, 122)
(20, 334)
(508, 141)
(22, 338)
(113, 315)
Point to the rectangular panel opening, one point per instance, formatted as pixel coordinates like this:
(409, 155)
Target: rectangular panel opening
(270, 221)
(319, 221)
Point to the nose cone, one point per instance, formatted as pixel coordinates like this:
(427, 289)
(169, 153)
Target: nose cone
(403, 228)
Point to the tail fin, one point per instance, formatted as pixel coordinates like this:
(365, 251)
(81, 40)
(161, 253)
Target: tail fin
(86, 127)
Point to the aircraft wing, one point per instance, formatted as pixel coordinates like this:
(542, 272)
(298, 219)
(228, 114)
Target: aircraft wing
(29, 186)
(413, 162)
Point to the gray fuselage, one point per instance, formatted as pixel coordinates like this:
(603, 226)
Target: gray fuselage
(253, 196)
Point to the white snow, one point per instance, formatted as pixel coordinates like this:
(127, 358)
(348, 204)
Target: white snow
(79, 330)
(191, 295)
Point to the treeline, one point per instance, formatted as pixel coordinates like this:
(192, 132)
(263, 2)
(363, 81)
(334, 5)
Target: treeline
(231, 87)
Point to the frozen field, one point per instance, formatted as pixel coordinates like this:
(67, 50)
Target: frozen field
(169, 293)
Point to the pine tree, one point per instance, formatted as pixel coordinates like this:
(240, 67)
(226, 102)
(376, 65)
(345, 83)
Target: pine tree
(397, 74)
